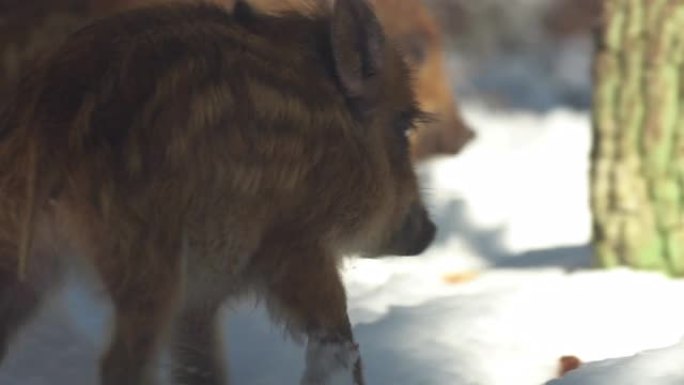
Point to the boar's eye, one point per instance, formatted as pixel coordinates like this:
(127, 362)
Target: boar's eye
(414, 47)
(408, 120)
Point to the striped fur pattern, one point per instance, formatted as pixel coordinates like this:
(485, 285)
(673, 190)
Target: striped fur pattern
(31, 28)
(189, 154)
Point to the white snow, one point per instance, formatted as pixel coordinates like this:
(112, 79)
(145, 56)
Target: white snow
(661, 367)
(504, 293)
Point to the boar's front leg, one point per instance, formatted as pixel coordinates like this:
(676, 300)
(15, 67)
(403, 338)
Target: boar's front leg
(305, 291)
(142, 279)
(196, 346)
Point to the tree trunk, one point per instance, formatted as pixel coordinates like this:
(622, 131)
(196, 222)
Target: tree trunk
(638, 155)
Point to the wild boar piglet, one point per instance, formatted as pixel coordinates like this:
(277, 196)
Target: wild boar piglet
(189, 154)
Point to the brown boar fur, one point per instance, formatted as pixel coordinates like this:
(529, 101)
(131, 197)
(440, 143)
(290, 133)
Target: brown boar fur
(28, 29)
(172, 149)
(418, 36)
(407, 22)
(416, 33)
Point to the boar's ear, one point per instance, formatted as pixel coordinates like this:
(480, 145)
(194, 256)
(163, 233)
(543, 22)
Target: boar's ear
(358, 46)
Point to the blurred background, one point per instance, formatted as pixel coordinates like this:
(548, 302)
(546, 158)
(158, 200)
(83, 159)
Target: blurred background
(520, 54)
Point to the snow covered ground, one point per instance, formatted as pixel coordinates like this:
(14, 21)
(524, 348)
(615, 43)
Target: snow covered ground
(503, 294)
(660, 367)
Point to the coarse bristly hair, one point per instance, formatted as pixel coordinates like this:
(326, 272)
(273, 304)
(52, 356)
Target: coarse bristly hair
(188, 153)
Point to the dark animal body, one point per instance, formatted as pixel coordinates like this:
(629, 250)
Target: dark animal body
(188, 155)
(411, 26)
(29, 28)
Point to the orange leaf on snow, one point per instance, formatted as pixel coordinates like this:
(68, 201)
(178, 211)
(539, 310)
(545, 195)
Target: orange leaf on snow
(567, 364)
(460, 277)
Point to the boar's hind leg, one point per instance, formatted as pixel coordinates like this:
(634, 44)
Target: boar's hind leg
(143, 288)
(19, 298)
(196, 347)
(306, 292)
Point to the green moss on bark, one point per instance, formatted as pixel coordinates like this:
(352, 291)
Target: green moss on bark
(638, 153)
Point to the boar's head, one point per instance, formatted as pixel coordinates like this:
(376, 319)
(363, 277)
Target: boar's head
(377, 85)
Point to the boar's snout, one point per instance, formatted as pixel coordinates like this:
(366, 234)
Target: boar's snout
(415, 234)
(441, 139)
(465, 135)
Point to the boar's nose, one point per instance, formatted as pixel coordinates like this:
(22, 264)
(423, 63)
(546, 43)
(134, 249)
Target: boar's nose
(462, 135)
(443, 139)
(416, 233)
(469, 135)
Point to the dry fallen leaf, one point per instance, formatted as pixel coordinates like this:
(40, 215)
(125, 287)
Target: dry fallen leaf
(460, 277)
(567, 364)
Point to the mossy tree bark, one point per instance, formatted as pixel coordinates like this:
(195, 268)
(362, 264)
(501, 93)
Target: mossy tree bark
(638, 155)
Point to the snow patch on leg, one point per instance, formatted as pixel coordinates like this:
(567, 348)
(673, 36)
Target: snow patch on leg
(330, 362)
